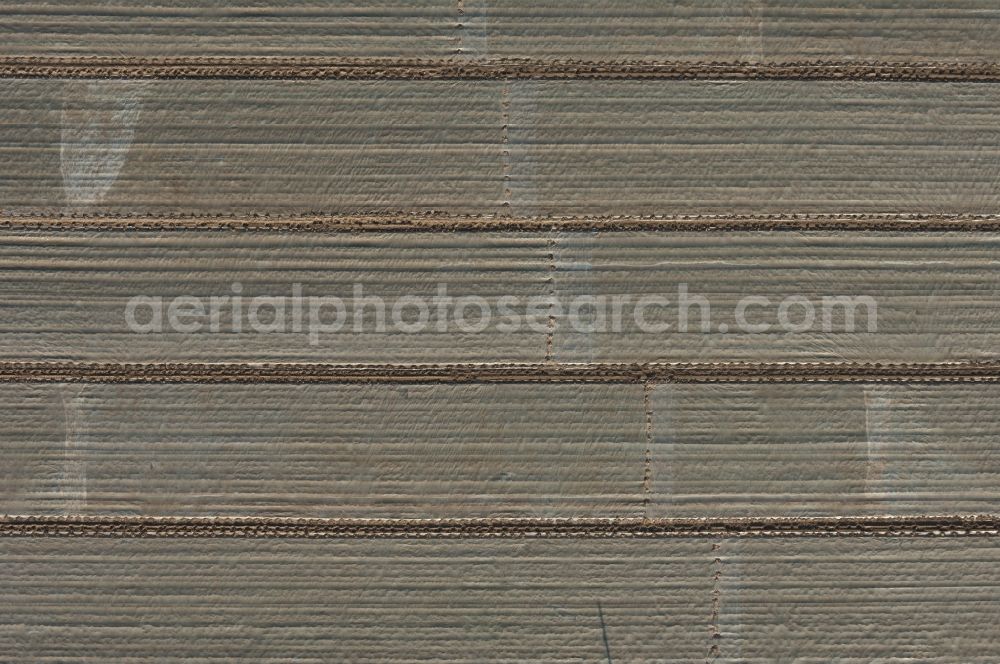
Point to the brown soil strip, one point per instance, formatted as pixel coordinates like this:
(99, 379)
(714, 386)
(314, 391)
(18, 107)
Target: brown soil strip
(291, 68)
(282, 527)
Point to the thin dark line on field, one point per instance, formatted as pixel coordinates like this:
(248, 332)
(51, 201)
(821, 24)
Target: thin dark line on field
(545, 372)
(552, 322)
(604, 632)
(714, 631)
(647, 472)
(444, 223)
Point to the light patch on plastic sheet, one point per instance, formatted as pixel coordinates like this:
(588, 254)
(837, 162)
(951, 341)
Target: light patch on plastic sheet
(98, 127)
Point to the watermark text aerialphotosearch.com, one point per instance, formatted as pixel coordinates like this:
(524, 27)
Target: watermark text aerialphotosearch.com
(363, 312)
